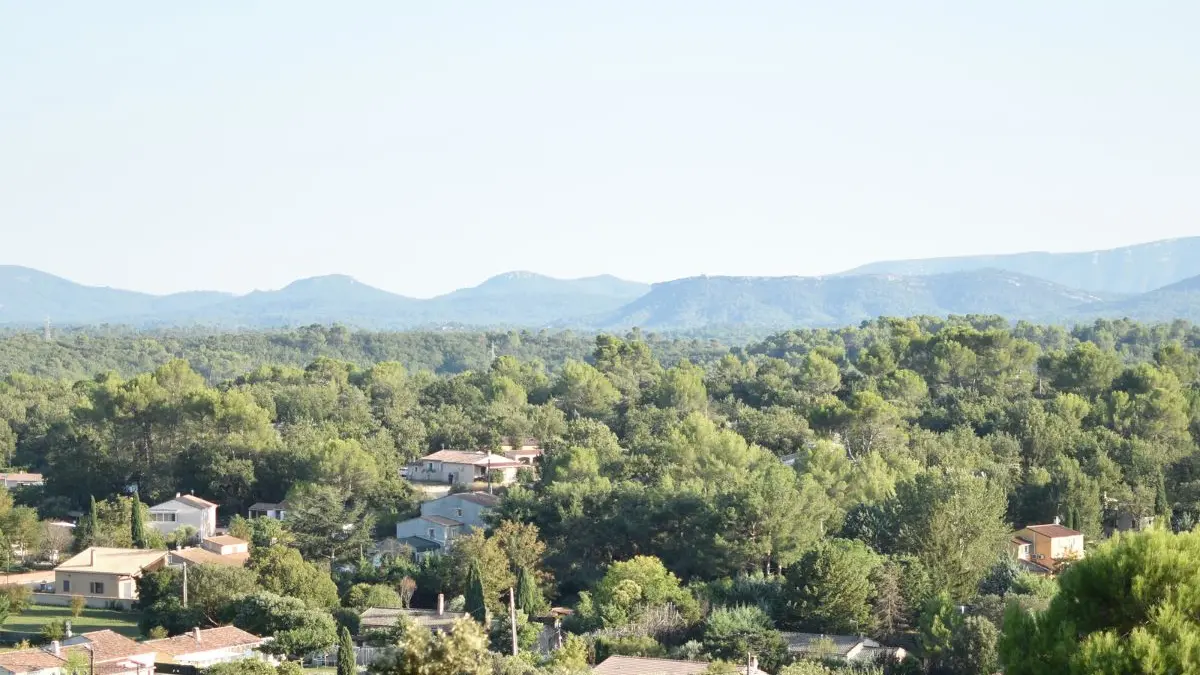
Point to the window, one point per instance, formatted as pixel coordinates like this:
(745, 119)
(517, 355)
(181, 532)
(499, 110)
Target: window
(162, 517)
(458, 512)
(96, 588)
(66, 585)
(432, 533)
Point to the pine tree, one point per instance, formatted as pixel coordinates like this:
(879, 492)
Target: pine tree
(85, 532)
(529, 596)
(138, 521)
(476, 596)
(345, 656)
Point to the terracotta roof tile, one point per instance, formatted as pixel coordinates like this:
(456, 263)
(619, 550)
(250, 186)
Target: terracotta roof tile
(110, 646)
(471, 458)
(641, 665)
(1053, 531)
(28, 660)
(210, 639)
(199, 556)
(125, 561)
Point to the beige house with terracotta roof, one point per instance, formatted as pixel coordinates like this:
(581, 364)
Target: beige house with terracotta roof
(203, 648)
(15, 480)
(464, 467)
(1047, 546)
(106, 573)
(642, 665)
(218, 550)
(31, 662)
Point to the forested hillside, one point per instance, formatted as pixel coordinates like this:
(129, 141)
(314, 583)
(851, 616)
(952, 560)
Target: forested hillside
(918, 446)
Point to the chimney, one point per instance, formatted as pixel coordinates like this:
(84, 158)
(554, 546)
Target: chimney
(56, 648)
(91, 556)
(1057, 521)
(752, 664)
(441, 603)
(196, 634)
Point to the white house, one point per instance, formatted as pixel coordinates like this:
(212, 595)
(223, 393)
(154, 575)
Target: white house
(185, 510)
(464, 467)
(204, 648)
(15, 480)
(268, 510)
(442, 520)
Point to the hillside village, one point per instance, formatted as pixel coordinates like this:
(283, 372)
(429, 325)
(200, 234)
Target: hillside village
(893, 498)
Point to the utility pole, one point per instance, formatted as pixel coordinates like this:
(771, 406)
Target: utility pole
(512, 619)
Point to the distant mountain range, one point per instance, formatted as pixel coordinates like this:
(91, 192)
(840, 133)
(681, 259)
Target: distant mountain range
(1152, 282)
(1131, 269)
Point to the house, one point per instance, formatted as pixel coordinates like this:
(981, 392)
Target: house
(525, 450)
(104, 575)
(464, 467)
(16, 480)
(643, 665)
(268, 510)
(31, 662)
(1044, 548)
(848, 648)
(109, 653)
(219, 550)
(384, 618)
(185, 510)
(203, 648)
(112, 653)
(444, 519)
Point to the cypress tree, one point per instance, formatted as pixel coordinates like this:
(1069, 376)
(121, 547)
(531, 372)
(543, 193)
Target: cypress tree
(85, 532)
(345, 656)
(138, 521)
(529, 596)
(476, 596)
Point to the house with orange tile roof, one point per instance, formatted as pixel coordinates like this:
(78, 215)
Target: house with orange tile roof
(218, 550)
(203, 648)
(464, 467)
(643, 665)
(1045, 548)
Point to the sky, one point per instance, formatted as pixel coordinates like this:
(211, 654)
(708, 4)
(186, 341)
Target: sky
(420, 147)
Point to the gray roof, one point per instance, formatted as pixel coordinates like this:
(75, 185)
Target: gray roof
(420, 544)
(480, 498)
(440, 520)
(267, 506)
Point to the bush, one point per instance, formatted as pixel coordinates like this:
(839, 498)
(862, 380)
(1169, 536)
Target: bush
(732, 632)
(19, 597)
(78, 604)
(54, 630)
(634, 645)
(157, 633)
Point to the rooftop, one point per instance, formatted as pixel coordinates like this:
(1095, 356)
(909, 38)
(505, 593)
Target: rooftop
(20, 477)
(419, 544)
(440, 520)
(28, 660)
(1053, 531)
(227, 540)
(642, 665)
(199, 556)
(470, 457)
(268, 506)
(107, 645)
(480, 498)
(210, 639)
(126, 561)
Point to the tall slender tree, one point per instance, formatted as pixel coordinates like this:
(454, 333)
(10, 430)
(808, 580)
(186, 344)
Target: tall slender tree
(345, 656)
(476, 596)
(529, 596)
(137, 519)
(85, 532)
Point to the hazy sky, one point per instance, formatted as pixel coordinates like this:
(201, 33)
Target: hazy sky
(419, 147)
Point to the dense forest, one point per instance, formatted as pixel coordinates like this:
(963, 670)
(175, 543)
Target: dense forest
(661, 511)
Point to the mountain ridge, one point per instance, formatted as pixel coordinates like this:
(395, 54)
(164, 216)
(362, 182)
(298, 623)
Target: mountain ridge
(524, 299)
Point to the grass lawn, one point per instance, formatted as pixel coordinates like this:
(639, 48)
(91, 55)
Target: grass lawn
(32, 620)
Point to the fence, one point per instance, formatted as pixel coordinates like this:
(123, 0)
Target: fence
(363, 656)
(64, 600)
